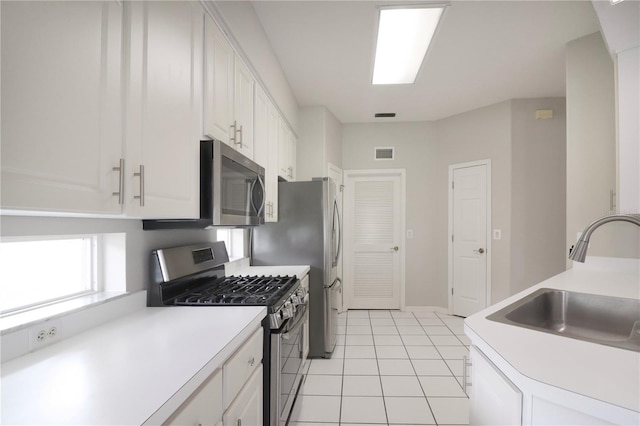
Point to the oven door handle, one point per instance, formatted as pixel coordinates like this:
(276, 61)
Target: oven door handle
(294, 332)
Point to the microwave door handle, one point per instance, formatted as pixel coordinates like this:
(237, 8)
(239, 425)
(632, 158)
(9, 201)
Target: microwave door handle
(263, 195)
(252, 188)
(258, 210)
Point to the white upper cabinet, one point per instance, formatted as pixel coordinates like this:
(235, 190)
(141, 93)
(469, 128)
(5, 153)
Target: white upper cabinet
(243, 102)
(61, 106)
(218, 84)
(286, 152)
(266, 127)
(228, 93)
(163, 110)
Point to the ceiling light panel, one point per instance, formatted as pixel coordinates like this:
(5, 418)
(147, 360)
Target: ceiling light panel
(404, 35)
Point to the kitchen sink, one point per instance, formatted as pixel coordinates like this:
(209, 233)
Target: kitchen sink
(606, 320)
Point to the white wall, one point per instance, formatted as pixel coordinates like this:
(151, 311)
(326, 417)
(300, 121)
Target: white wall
(310, 151)
(245, 30)
(591, 148)
(333, 129)
(483, 133)
(528, 190)
(139, 243)
(319, 142)
(628, 111)
(620, 27)
(538, 192)
(416, 152)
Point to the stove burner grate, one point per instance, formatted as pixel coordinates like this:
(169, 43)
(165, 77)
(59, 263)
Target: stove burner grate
(248, 290)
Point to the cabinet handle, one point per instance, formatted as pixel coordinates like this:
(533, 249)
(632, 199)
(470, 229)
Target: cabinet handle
(234, 128)
(612, 203)
(252, 361)
(241, 136)
(465, 383)
(141, 196)
(120, 192)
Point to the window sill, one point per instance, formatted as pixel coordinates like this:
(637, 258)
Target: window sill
(18, 332)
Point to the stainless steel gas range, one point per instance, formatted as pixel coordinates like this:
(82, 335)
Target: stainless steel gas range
(194, 275)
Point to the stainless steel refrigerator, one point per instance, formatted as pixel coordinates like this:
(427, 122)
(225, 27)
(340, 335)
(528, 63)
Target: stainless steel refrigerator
(308, 232)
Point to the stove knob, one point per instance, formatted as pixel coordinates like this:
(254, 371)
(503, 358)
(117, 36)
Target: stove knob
(287, 310)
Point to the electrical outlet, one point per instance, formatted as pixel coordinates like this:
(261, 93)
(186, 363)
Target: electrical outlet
(409, 233)
(44, 334)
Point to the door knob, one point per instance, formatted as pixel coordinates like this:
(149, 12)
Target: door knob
(480, 250)
(394, 248)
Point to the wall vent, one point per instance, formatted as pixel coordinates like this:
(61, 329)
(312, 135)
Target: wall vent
(385, 115)
(386, 153)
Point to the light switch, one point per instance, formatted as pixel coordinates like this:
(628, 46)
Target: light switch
(409, 233)
(497, 234)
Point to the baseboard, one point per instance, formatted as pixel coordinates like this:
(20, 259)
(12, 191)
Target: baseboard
(437, 309)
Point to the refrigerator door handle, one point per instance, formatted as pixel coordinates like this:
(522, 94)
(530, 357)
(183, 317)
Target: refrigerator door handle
(336, 230)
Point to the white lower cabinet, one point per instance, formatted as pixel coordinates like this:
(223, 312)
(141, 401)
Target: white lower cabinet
(499, 395)
(494, 399)
(204, 407)
(232, 395)
(246, 409)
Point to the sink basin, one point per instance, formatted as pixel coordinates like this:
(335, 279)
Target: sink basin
(606, 320)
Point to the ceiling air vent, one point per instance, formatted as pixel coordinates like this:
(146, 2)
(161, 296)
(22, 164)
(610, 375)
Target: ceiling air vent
(384, 153)
(385, 115)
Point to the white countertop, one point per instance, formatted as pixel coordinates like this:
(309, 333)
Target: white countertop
(133, 370)
(601, 372)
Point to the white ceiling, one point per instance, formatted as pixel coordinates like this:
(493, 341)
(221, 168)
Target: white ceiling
(484, 52)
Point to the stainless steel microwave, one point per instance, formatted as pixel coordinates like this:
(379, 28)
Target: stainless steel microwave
(232, 191)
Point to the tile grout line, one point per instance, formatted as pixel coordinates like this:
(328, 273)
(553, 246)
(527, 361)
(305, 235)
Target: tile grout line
(414, 369)
(438, 350)
(384, 403)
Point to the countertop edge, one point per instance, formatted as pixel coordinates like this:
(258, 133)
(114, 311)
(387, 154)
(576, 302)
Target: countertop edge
(551, 359)
(180, 397)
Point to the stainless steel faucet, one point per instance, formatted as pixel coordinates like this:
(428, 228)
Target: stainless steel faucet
(579, 251)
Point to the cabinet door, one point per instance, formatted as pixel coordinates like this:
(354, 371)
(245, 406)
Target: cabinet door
(284, 164)
(164, 110)
(204, 407)
(260, 127)
(266, 150)
(293, 147)
(243, 102)
(271, 172)
(494, 399)
(218, 84)
(61, 105)
(246, 409)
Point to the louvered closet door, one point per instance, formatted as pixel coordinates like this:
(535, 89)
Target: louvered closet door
(372, 266)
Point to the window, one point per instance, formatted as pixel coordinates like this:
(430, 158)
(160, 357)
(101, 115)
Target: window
(34, 273)
(234, 239)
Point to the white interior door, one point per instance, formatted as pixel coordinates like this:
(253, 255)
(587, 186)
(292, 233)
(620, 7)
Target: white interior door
(469, 251)
(373, 255)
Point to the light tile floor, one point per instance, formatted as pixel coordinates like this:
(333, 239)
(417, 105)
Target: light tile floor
(389, 368)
